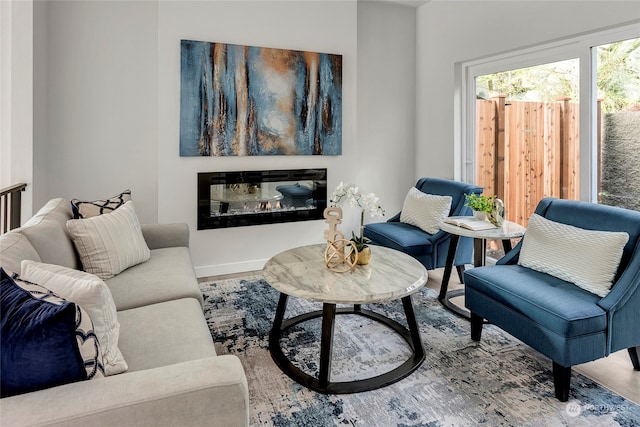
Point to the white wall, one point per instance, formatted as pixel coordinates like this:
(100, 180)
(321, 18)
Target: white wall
(386, 100)
(100, 96)
(451, 32)
(107, 81)
(304, 25)
(16, 98)
(333, 27)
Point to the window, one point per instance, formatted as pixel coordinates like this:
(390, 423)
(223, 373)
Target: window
(581, 179)
(618, 83)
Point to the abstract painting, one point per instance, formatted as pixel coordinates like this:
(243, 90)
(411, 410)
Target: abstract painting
(255, 101)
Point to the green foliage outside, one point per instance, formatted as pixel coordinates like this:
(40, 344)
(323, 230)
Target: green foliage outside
(618, 79)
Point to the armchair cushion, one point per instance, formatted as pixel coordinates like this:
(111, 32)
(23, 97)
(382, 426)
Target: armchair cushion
(400, 236)
(587, 258)
(425, 211)
(554, 304)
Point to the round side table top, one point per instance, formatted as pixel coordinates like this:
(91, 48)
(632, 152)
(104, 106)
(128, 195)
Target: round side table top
(301, 272)
(509, 230)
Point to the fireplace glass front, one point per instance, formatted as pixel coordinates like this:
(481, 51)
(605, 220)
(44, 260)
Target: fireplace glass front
(236, 199)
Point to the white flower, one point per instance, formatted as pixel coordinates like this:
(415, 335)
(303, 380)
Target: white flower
(350, 194)
(371, 204)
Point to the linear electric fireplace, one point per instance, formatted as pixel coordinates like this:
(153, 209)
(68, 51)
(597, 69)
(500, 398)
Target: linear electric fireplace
(236, 199)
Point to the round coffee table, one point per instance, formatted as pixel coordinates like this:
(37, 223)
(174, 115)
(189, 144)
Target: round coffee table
(301, 272)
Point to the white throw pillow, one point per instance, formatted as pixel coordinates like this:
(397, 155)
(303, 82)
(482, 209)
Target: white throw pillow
(425, 211)
(90, 293)
(586, 258)
(109, 244)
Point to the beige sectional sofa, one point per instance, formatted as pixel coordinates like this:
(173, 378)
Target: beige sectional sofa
(174, 376)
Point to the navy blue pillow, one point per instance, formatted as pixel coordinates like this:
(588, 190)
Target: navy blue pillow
(38, 338)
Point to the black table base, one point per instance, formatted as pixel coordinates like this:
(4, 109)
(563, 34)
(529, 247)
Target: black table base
(323, 384)
(479, 259)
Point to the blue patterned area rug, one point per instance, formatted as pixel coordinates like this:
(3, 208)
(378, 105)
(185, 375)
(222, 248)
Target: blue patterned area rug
(498, 382)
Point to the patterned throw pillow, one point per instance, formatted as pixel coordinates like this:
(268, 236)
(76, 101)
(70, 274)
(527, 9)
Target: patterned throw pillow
(586, 258)
(109, 244)
(425, 211)
(99, 207)
(46, 341)
(90, 293)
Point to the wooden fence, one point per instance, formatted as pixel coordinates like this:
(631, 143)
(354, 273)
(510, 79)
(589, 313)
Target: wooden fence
(526, 151)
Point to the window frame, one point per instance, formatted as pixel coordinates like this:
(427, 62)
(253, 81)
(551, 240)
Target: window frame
(580, 47)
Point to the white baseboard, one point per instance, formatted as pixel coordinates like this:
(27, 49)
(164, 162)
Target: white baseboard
(236, 267)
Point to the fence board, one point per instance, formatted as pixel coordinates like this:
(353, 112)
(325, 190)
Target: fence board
(541, 144)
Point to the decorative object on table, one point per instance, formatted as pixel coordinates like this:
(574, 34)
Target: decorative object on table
(481, 205)
(469, 222)
(341, 254)
(367, 203)
(256, 101)
(496, 216)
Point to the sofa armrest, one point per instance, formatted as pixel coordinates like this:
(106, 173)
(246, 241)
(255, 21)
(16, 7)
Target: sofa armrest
(211, 391)
(160, 236)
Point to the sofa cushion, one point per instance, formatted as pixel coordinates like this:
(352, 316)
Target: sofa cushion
(167, 275)
(47, 233)
(165, 333)
(98, 207)
(559, 306)
(46, 341)
(587, 258)
(15, 247)
(90, 293)
(109, 244)
(425, 211)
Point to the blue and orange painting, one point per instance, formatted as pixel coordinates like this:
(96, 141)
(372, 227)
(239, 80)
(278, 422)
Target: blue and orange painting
(255, 101)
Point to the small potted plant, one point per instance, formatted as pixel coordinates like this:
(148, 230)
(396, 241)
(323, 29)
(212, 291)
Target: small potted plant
(480, 205)
(364, 252)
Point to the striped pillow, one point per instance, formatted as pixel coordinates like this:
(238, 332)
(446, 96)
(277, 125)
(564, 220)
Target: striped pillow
(109, 244)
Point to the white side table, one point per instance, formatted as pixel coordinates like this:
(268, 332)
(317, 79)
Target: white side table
(509, 230)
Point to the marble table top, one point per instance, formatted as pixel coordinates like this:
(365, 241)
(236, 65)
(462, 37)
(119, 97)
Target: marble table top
(509, 230)
(301, 272)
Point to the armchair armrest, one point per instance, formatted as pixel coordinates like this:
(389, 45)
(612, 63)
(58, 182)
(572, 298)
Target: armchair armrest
(211, 391)
(395, 218)
(512, 256)
(626, 286)
(160, 236)
(621, 305)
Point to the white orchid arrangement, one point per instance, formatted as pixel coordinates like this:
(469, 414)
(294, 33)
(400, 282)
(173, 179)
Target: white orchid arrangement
(350, 194)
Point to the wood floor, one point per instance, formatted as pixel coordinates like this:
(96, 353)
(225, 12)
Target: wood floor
(614, 372)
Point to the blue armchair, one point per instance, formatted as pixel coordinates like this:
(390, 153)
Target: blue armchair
(429, 249)
(557, 318)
